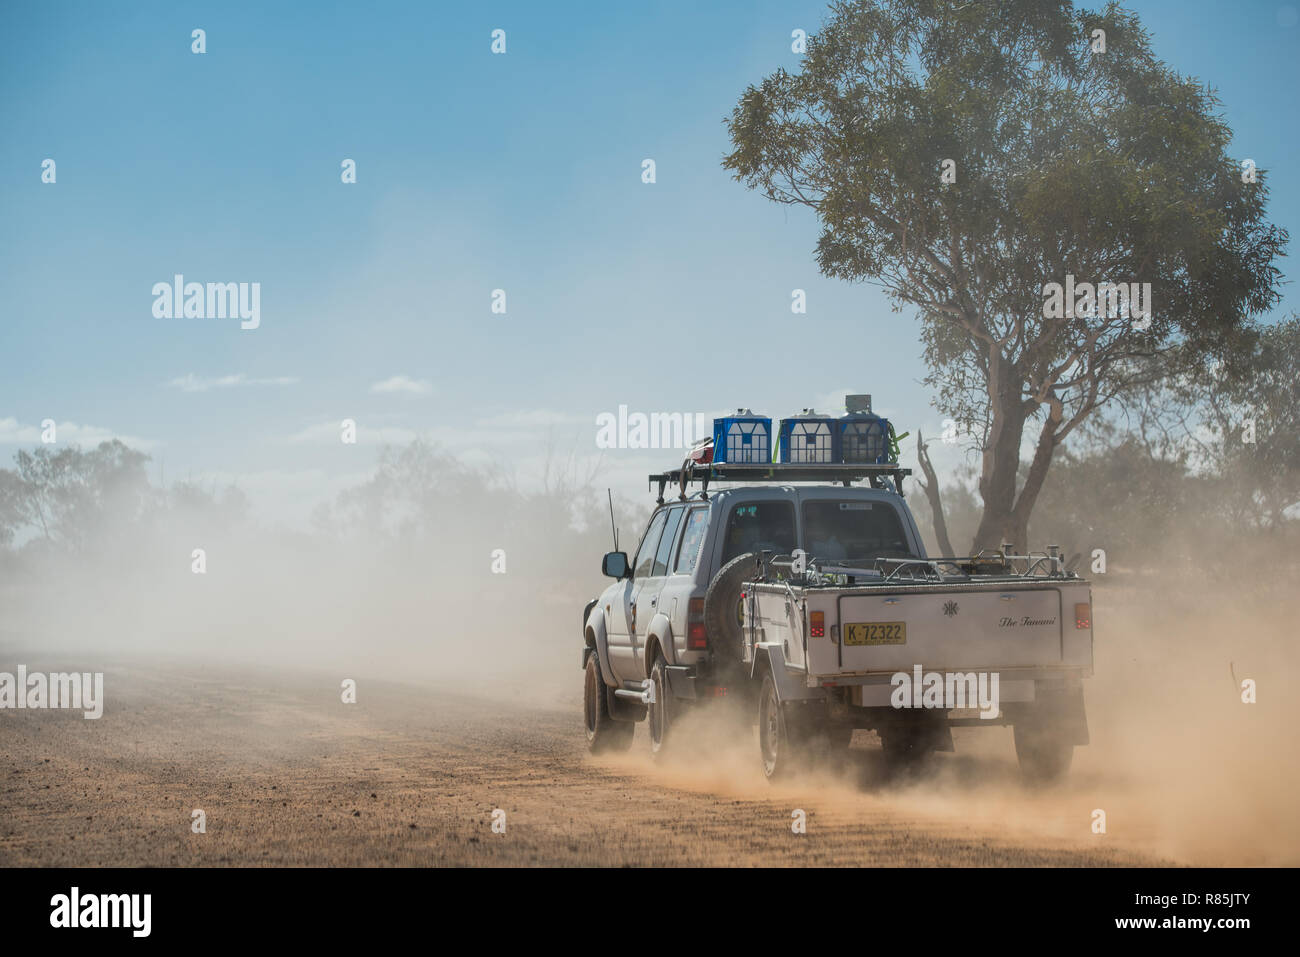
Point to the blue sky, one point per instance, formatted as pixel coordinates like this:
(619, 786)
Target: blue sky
(474, 172)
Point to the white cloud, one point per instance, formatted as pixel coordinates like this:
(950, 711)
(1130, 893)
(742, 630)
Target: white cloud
(503, 433)
(193, 383)
(403, 384)
(330, 433)
(535, 418)
(12, 432)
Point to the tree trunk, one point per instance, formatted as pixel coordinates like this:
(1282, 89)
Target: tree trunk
(931, 489)
(1001, 462)
(1037, 473)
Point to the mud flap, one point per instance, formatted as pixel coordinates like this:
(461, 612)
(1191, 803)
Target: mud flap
(681, 681)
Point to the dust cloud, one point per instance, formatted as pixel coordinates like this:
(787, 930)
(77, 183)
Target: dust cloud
(400, 579)
(1183, 769)
(430, 571)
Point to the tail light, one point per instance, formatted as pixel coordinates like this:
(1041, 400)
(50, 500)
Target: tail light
(817, 622)
(1082, 615)
(697, 638)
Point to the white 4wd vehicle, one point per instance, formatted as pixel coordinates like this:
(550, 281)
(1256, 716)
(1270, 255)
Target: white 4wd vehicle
(816, 607)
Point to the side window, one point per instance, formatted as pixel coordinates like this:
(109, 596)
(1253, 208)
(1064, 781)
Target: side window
(697, 521)
(666, 543)
(645, 555)
(756, 526)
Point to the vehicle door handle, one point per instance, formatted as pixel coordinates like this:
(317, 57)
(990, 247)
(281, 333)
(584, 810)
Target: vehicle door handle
(653, 601)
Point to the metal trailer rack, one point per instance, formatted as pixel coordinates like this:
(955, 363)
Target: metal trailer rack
(987, 565)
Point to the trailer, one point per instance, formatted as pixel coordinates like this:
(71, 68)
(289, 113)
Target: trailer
(802, 592)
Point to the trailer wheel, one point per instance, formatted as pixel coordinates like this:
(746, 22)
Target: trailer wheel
(907, 746)
(901, 750)
(781, 751)
(1045, 753)
(603, 732)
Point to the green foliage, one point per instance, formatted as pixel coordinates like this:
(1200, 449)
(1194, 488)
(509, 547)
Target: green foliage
(71, 497)
(1234, 415)
(1121, 499)
(1108, 166)
(1264, 386)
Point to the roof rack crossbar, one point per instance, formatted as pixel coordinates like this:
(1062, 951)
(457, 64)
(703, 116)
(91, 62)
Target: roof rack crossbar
(887, 475)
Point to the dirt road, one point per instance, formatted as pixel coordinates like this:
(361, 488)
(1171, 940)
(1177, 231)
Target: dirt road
(287, 774)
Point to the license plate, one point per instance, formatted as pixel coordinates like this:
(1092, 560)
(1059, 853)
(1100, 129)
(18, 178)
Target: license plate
(876, 633)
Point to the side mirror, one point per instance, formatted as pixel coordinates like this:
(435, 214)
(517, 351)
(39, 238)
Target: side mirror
(614, 565)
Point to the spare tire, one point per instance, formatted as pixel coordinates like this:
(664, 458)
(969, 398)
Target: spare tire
(723, 615)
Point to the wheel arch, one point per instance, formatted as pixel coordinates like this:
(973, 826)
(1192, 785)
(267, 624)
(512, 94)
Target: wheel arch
(594, 635)
(658, 641)
(771, 659)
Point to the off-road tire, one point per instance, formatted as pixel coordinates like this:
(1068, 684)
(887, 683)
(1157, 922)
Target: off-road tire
(660, 714)
(782, 747)
(604, 734)
(1044, 753)
(904, 749)
(723, 616)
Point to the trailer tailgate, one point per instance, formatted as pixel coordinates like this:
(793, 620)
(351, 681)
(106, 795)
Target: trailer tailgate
(986, 627)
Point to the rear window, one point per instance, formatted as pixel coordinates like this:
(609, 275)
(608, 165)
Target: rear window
(759, 526)
(854, 531)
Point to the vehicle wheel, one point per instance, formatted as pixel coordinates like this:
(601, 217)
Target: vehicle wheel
(780, 750)
(722, 612)
(603, 732)
(903, 749)
(660, 714)
(1044, 753)
(836, 742)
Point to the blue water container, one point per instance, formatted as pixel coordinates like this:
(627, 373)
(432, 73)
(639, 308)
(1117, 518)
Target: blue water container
(863, 439)
(742, 439)
(808, 439)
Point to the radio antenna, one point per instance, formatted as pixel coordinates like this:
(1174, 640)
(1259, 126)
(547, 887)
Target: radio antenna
(612, 527)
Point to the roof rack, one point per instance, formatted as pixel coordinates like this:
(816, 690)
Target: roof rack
(888, 475)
